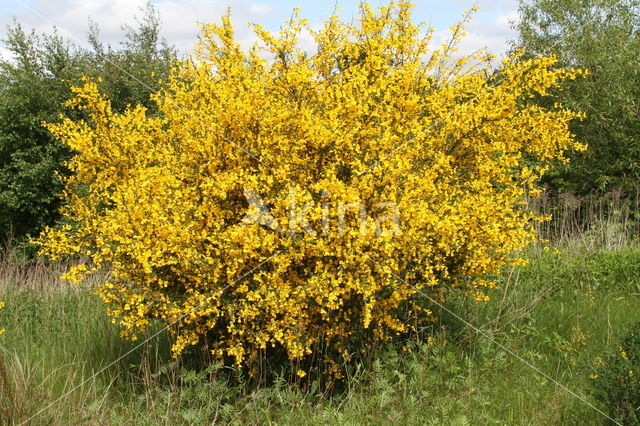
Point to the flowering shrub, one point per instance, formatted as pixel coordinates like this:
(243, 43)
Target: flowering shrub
(302, 201)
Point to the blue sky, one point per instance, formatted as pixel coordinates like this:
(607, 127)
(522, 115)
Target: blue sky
(490, 26)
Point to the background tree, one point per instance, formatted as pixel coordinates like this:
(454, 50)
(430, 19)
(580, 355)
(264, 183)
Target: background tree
(35, 81)
(600, 36)
(33, 85)
(135, 69)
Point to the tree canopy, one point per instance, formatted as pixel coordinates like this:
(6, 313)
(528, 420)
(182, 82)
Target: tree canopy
(602, 37)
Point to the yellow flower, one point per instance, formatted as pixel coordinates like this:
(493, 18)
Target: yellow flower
(2, 330)
(295, 200)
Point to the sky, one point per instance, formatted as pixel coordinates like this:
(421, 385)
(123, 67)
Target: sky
(491, 26)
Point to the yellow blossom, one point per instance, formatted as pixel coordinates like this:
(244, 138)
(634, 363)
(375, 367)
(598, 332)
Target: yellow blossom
(2, 330)
(290, 199)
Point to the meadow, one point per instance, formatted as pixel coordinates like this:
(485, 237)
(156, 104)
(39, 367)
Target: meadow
(529, 361)
(294, 169)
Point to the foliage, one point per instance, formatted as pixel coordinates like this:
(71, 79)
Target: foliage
(602, 37)
(57, 340)
(230, 215)
(134, 70)
(32, 91)
(34, 83)
(616, 381)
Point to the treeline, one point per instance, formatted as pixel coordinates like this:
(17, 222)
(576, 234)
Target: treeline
(598, 191)
(36, 80)
(602, 36)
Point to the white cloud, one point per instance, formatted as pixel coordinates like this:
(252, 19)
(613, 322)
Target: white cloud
(179, 18)
(508, 19)
(488, 5)
(260, 9)
(495, 36)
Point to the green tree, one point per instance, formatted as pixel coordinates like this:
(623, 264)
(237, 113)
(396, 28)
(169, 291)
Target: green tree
(135, 69)
(600, 36)
(33, 85)
(35, 81)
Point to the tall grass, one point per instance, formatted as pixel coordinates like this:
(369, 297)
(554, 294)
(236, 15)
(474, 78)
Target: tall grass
(610, 220)
(559, 313)
(58, 337)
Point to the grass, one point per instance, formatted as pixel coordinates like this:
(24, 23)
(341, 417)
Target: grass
(559, 313)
